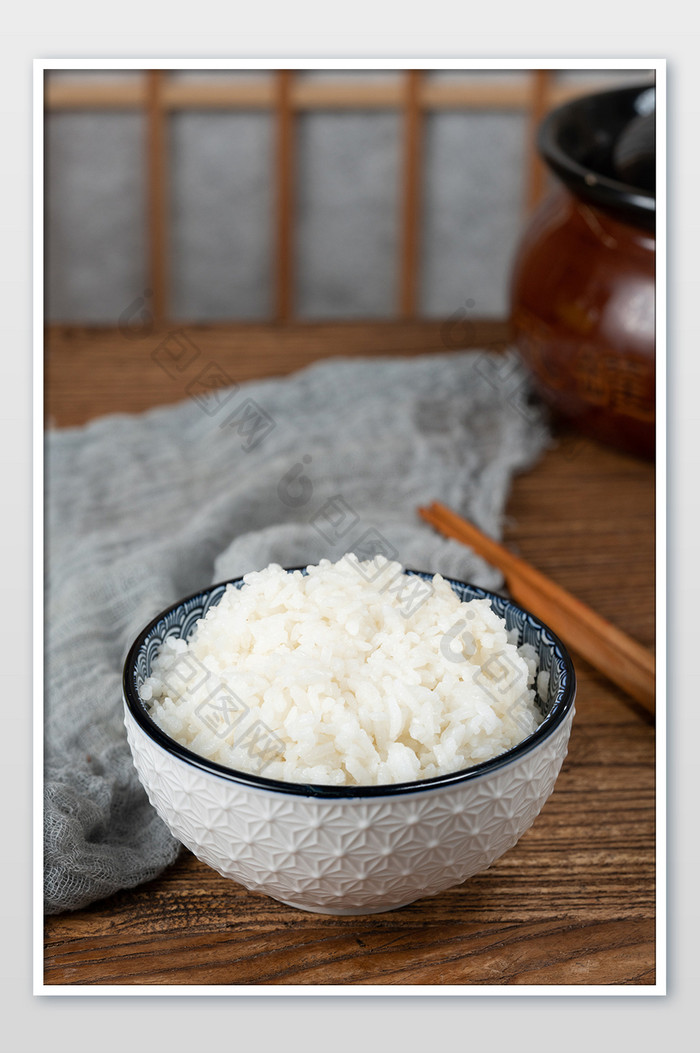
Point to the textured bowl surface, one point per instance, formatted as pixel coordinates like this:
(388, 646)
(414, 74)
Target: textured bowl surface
(349, 850)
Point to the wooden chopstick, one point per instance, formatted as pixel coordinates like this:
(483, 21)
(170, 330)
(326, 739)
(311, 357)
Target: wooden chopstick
(618, 656)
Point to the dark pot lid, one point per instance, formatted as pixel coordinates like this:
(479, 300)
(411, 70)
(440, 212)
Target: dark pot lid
(595, 144)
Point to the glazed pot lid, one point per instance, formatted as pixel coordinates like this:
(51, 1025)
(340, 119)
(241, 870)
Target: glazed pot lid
(603, 148)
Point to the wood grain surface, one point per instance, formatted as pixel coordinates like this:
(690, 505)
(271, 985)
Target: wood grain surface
(89, 372)
(573, 902)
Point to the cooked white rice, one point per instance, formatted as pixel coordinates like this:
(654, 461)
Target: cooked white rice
(353, 674)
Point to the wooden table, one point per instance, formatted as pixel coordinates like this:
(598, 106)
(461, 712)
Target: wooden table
(573, 902)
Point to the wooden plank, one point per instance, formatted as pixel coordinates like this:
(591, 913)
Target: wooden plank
(259, 93)
(458, 95)
(284, 194)
(335, 95)
(157, 219)
(419, 948)
(253, 94)
(77, 94)
(536, 171)
(91, 371)
(410, 199)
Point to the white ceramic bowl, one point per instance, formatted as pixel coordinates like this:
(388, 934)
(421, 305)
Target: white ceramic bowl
(349, 850)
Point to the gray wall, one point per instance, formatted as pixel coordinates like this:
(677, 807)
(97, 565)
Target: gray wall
(347, 225)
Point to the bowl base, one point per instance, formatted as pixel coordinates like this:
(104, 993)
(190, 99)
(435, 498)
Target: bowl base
(346, 911)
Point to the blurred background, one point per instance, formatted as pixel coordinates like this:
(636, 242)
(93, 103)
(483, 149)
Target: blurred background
(292, 196)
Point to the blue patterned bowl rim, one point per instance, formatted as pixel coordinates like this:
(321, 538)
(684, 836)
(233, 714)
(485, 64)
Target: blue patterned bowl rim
(187, 612)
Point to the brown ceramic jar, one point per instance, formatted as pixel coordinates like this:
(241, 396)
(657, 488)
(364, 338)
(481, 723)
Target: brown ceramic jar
(582, 291)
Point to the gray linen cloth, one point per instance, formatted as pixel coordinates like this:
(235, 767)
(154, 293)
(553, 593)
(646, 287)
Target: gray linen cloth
(142, 510)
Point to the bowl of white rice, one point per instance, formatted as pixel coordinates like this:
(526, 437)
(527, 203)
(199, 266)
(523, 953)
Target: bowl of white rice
(348, 737)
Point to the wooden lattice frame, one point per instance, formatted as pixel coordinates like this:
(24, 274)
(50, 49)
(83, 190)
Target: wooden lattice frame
(412, 94)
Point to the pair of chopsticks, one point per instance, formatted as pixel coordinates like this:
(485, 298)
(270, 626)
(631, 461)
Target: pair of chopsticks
(618, 656)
